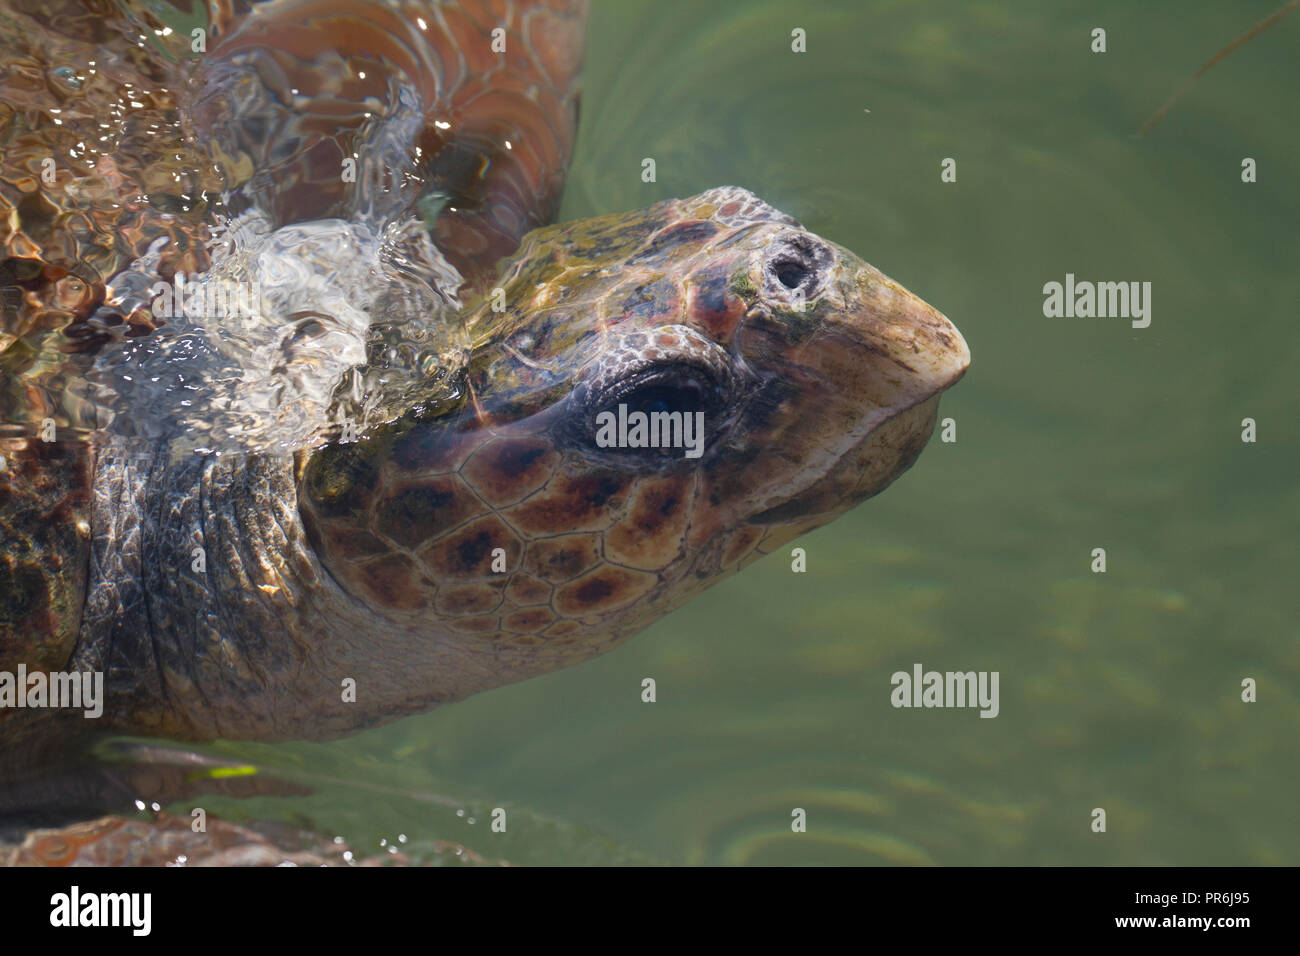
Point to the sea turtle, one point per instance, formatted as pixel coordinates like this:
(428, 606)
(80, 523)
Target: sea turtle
(411, 469)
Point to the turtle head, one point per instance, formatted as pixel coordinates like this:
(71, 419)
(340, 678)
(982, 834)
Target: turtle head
(652, 401)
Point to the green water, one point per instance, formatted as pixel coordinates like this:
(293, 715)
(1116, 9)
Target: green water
(1119, 690)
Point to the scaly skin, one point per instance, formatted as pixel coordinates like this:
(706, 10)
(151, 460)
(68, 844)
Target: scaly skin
(480, 535)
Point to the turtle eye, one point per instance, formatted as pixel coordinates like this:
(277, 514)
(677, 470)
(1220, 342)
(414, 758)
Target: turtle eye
(654, 397)
(675, 388)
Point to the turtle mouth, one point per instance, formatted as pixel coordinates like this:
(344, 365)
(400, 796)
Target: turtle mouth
(863, 471)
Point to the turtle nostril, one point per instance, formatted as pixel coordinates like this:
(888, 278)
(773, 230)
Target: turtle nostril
(795, 264)
(791, 274)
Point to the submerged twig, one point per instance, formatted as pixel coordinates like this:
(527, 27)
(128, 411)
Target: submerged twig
(1250, 34)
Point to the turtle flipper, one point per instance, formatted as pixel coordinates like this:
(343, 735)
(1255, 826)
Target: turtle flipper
(316, 110)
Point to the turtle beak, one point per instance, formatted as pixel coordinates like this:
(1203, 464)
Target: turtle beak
(888, 349)
(861, 372)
